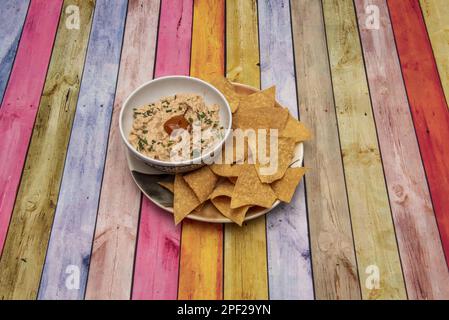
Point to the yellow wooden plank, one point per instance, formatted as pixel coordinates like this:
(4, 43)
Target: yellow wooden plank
(334, 266)
(436, 16)
(24, 252)
(374, 235)
(245, 268)
(201, 261)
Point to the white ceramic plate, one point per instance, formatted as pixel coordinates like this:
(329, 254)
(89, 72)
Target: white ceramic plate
(147, 179)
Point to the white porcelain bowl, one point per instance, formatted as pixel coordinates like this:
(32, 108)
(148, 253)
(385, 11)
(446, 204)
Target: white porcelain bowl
(169, 86)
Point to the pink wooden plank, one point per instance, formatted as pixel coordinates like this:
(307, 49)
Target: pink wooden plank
(21, 100)
(157, 256)
(425, 271)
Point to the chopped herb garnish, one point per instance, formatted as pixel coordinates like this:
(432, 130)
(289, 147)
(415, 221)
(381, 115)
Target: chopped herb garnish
(148, 113)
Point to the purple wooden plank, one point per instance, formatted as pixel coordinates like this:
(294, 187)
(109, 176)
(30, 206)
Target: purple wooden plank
(12, 17)
(289, 266)
(71, 239)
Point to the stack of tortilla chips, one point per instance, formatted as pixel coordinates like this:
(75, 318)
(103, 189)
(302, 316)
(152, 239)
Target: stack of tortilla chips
(233, 189)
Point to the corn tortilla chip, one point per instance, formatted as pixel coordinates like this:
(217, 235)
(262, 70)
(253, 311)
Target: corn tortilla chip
(275, 168)
(227, 170)
(233, 180)
(170, 186)
(261, 99)
(202, 182)
(295, 130)
(249, 190)
(285, 187)
(185, 200)
(221, 199)
(227, 89)
(238, 152)
(260, 118)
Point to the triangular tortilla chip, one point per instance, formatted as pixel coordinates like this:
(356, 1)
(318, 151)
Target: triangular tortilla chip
(285, 187)
(249, 190)
(185, 200)
(221, 199)
(227, 89)
(202, 182)
(170, 186)
(260, 118)
(295, 130)
(227, 170)
(276, 166)
(262, 99)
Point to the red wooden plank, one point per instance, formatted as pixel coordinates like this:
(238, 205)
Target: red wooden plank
(427, 103)
(157, 256)
(21, 100)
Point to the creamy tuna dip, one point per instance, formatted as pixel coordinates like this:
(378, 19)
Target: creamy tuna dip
(160, 128)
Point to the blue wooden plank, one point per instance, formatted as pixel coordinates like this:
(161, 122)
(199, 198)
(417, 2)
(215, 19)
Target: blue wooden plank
(68, 256)
(289, 264)
(12, 18)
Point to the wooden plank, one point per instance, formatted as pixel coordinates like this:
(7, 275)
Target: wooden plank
(374, 234)
(26, 243)
(289, 265)
(425, 271)
(201, 261)
(334, 265)
(245, 255)
(73, 227)
(436, 16)
(12, 18)
(112, 259)
(21, 100)
(427, 103)
(158, 236)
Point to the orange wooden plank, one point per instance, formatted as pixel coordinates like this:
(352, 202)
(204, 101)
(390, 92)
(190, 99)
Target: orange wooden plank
(201, 263)
(246, 275)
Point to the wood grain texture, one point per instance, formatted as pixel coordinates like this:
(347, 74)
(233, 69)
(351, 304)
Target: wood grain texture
(26, 243)
(333, 255)
(201, 261)
(372, 223)
(427, 103)
(425, 271)
(158, 245)
(112, 259)
(245, 255)
(21, 100)
(12, 18)
(289, 265)
(73, 227)
(436, 16)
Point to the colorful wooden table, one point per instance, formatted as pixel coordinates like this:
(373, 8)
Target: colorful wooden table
(369, 77)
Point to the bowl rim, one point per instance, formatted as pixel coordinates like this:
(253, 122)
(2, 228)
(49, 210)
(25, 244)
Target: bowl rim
(184, 162)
